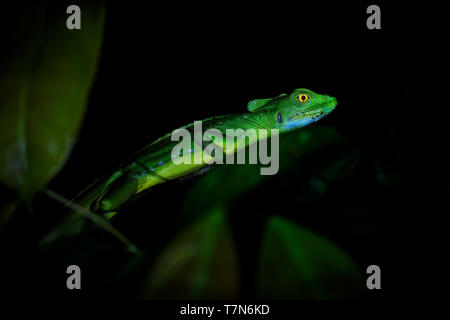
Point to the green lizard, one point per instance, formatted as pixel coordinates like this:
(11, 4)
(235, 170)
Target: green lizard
(153, 164)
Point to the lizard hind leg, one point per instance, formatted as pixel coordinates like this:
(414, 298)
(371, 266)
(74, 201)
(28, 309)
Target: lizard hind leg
(117, 194)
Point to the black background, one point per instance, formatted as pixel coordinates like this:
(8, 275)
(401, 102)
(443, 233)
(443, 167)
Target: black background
(163, 66)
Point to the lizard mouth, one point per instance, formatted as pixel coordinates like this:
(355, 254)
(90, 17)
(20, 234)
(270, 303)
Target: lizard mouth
(318, 112)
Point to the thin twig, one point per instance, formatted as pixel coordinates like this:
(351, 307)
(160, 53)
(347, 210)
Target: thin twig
(103, 223)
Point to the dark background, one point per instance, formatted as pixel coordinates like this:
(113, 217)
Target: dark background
(163, 66)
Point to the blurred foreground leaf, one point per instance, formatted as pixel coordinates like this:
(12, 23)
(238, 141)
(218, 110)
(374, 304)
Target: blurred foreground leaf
(199, 264)
(46, 74)
(6, 212)
(297, 264)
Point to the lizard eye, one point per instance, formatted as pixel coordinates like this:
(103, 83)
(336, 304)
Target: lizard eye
(302, 98)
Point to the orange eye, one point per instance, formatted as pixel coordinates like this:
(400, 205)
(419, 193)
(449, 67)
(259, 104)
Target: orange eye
(302, 98)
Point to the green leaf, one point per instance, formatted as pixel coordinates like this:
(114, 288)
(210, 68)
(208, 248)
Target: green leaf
(44, 84)
(6, 211)
(199, 264)
(331, 172)
(297, 264)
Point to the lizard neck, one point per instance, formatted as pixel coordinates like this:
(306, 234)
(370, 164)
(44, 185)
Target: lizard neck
(262, 119)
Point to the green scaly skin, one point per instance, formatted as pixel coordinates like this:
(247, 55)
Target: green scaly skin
(153, 164)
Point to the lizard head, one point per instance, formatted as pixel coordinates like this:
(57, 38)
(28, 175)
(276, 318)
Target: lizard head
(295, 110)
